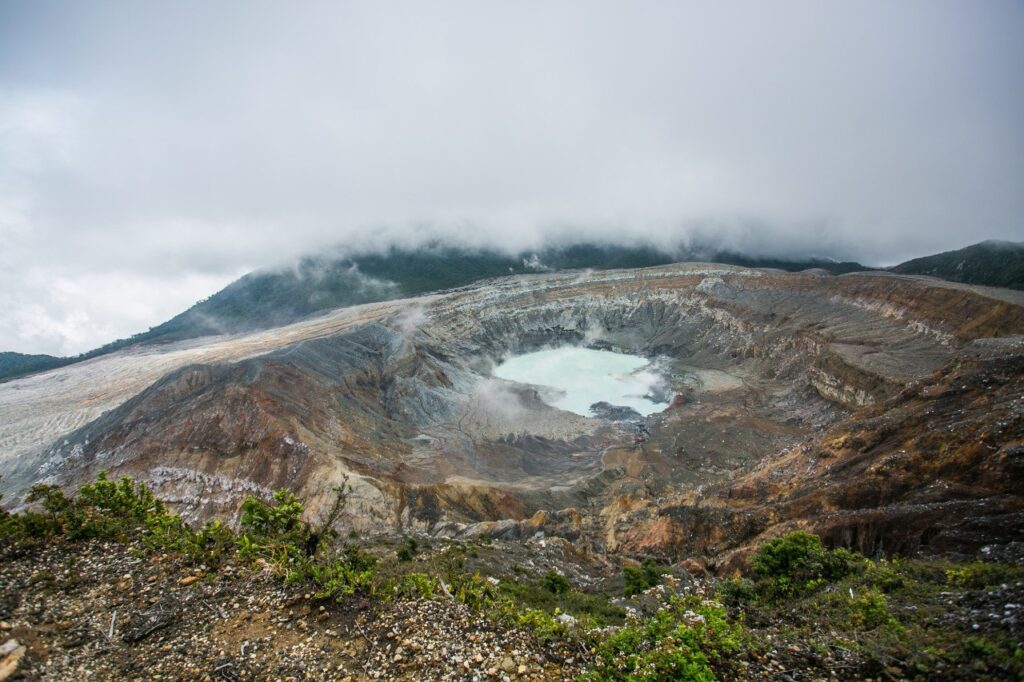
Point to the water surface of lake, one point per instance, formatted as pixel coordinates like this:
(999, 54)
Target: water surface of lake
(584, 376)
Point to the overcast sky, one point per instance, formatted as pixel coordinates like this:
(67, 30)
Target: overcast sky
(151, 152)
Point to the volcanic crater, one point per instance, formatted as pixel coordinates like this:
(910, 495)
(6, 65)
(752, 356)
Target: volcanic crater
(800, 400)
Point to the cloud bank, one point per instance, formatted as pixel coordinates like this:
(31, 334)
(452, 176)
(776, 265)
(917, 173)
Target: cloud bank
(152, 152)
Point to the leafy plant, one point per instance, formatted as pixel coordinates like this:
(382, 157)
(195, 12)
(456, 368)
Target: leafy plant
(555, 582)
(416, 586)
(685, 641)
(977, 575)
(871, 610)
(796, 563)
(269, 520)
(639, 579)
(407, 550)
(336, 579)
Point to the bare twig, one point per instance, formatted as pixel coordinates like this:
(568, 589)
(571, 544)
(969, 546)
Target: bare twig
(216, 608)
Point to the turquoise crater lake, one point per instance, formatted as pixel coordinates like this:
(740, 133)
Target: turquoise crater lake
(580, 377)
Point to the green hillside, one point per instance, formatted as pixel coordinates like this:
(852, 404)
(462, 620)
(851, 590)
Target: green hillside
(13, 364)
(991, 263)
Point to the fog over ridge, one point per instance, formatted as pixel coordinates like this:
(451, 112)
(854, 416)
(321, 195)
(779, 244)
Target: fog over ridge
(150, 153)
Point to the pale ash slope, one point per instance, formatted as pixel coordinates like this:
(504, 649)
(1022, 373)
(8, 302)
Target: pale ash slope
(38, 409)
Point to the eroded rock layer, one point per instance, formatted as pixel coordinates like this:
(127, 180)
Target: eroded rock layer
(883, 411)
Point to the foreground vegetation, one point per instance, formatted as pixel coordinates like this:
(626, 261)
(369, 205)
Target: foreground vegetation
(802, 607)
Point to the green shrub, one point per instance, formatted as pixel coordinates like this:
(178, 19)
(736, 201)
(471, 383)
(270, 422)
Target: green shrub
(737, 591)
(540, 623)
(474, 591)
(263, 520)
(686, 641)
(348, 572)
(798, 563)
(596, 609)
(870, 610)
(978, 574)
(103, 509)
(117, 510)
(639, 579)
(408, 550)
(884, 575)
(415, 586)
(336, 580)
(213, 544)
(555, 583)
(275, 532)
(978, 647)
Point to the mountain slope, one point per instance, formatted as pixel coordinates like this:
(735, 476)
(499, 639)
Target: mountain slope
(269, 298)
(990, 263)
(14, 364)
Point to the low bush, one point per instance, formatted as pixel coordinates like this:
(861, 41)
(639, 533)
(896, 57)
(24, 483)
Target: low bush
(543, 625)
(639, 579)
(119, 510)
(555, 583)
(275, 533)
(589, 608)
(977, 575)
(798, 563)
(884, 575)
(350, 573)
(416, 586)
(689, 640)
(407, 551)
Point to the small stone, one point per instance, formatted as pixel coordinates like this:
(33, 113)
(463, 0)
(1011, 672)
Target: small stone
(12, 653)
(188, 580)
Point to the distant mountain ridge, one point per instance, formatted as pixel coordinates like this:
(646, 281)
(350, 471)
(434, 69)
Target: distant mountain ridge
(990, 263)
(16, 364)
(273, 297)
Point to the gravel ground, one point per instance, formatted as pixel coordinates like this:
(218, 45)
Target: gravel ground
(105, 611)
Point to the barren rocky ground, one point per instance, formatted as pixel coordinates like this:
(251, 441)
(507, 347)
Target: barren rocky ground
(108, 611)
(112, 611)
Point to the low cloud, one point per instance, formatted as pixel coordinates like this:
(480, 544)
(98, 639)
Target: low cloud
(150, 153)
(410, 319)
(496, 400)
(47, 311)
